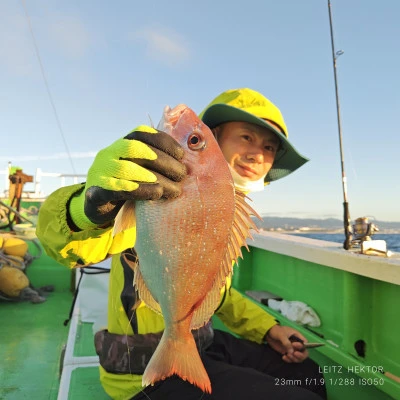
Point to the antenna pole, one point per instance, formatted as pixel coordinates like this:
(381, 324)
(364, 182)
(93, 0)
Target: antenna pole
(346, 215)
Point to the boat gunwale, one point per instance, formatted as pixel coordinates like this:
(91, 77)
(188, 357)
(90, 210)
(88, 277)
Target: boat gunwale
(330, 254)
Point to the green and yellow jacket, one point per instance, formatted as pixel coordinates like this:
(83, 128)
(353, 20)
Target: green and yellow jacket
(91, 246)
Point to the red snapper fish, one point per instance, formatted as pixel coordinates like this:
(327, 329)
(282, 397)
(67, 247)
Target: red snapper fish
(186, 247)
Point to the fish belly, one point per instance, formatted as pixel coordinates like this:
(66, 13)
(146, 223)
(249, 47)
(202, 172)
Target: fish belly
(180, 249)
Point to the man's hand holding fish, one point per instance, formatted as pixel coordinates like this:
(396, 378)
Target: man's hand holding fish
(144, 165)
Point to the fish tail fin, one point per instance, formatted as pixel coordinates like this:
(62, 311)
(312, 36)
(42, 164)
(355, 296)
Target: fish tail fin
(179, 357)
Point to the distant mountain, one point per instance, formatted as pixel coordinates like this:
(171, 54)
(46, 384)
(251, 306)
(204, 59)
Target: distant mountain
(287, 223)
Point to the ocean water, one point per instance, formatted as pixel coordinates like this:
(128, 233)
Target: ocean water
(392, 239)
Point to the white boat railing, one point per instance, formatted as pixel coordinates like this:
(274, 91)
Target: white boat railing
(64, 179)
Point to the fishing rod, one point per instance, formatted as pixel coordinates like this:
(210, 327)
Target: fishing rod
(346, 213)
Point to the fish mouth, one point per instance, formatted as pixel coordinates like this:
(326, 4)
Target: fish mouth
(171, 117)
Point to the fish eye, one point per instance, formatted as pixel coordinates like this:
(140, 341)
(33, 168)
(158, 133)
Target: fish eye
(196, 141)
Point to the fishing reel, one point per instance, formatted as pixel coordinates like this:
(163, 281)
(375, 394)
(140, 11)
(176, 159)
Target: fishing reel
(362, 231)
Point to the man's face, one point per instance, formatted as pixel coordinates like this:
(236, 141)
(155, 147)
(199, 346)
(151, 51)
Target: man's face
(249, 149)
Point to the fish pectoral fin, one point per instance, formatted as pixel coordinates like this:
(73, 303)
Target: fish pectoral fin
(179, 357)
(125, 218)
(144, 292)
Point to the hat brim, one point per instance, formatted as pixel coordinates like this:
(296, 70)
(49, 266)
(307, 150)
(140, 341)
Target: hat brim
(287, 160)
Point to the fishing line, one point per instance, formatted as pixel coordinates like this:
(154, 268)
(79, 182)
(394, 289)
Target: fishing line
(127, 344)
(151, 121)
(47, 86)
(145, 394)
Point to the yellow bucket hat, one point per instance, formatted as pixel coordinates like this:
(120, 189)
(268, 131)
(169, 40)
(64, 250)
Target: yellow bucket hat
(247, 105)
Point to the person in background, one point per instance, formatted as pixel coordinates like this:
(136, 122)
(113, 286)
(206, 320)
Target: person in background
(255, 359)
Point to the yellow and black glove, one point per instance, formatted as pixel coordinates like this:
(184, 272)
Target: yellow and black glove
(144, 165)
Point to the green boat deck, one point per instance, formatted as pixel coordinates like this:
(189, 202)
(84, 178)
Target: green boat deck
(33, 344)
(80, 376)
(33, 338)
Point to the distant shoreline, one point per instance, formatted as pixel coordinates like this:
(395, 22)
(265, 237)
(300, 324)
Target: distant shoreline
(326, 231)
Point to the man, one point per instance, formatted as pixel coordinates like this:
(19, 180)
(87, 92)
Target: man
(75, 227)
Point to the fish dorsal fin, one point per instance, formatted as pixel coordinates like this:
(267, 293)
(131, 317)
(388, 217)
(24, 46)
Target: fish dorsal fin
(242, 223)
(125, 218)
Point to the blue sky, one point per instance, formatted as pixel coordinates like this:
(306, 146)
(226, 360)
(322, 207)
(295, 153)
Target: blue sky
(109, 66)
